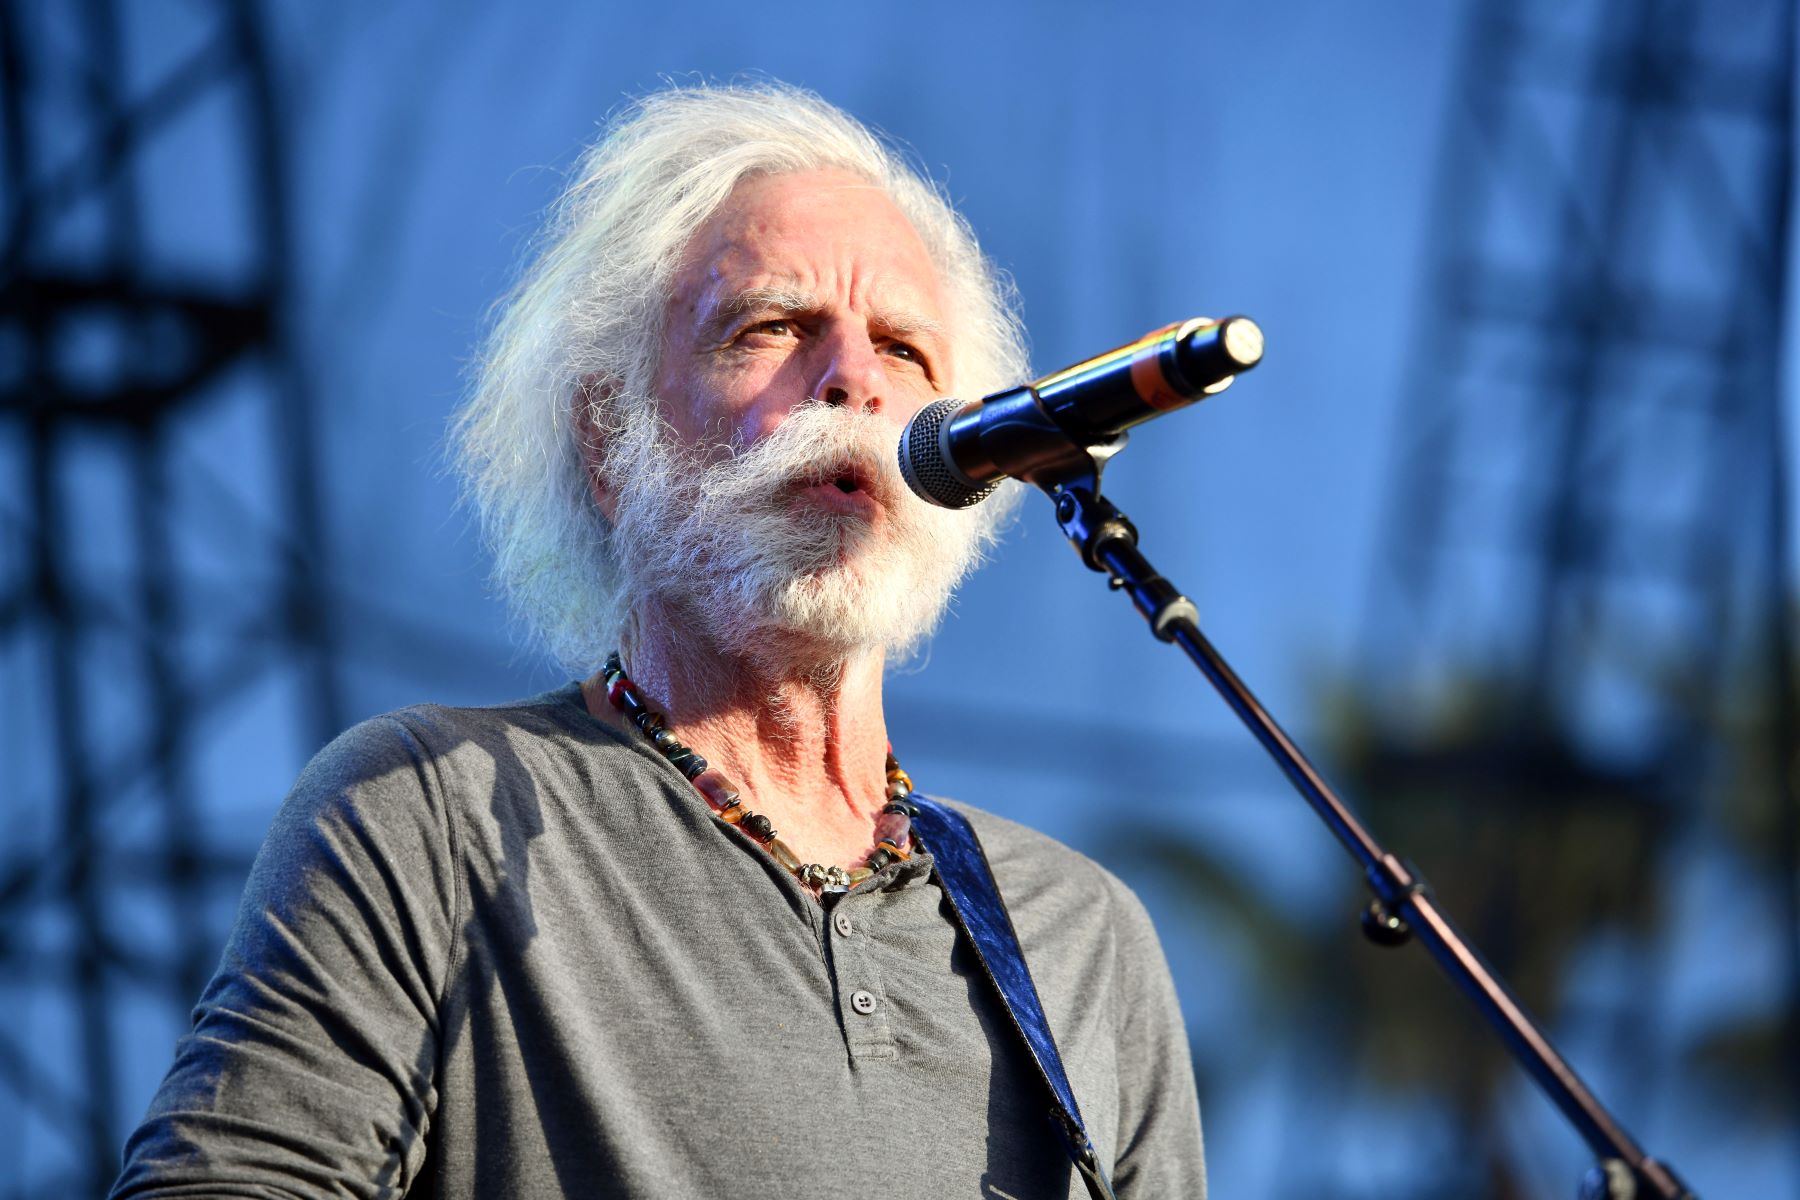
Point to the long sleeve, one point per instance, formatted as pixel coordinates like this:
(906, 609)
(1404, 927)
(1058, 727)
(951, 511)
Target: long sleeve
(310, 1064)
(1160, 1150)
(571, 977)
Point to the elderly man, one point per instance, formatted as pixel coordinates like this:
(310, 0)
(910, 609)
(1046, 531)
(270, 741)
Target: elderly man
(666, 932)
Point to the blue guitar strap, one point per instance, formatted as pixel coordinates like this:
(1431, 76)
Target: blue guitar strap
(962, 870)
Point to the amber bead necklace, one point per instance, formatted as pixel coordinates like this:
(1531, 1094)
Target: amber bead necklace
(893, 825)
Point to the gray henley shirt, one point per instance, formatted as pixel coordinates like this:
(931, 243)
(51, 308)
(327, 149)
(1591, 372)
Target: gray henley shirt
(510, 951)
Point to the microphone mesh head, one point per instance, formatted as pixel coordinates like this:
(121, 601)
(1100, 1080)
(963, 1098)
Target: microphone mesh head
(925, 464)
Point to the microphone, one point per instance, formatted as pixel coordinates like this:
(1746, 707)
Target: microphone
(954, 453)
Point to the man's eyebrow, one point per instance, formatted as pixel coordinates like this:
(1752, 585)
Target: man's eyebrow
(901, 323)
(765, 298)
(796, 301)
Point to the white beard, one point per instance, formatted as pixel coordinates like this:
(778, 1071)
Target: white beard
(735, 548)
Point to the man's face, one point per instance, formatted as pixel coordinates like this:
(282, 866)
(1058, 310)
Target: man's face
(804, 328)
(801, 286)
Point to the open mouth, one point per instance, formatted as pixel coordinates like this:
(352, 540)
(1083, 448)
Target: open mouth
(847, 479)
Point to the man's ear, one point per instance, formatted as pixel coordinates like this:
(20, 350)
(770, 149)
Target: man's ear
(590, 439)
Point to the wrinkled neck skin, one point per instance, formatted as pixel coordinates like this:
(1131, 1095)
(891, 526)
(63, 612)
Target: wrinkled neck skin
(798, 730)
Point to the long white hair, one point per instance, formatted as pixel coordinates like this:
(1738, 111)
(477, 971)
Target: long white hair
(591, 306)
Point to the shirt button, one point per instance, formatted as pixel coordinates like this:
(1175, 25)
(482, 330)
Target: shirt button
(863, 1002)
(842, 924)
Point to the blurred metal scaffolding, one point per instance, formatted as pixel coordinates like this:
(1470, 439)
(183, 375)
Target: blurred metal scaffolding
(1586, 499)
(143, 593)
(1579, 644)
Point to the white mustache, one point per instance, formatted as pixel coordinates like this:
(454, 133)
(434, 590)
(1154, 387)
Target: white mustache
(817, 443)
(717, 530)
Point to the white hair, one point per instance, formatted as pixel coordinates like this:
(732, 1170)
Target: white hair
(591, 307)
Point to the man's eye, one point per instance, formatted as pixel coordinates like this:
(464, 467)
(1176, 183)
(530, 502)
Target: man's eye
(903, 351)
(779, 327)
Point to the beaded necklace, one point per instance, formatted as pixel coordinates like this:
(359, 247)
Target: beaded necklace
(893, 826)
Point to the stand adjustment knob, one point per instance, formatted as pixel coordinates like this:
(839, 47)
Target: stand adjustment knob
(1610, 1179)
(1383, 926)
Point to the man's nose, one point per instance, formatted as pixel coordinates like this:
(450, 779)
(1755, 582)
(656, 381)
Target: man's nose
(852, 376)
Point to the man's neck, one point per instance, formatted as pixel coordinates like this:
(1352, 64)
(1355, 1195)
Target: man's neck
(805, 744)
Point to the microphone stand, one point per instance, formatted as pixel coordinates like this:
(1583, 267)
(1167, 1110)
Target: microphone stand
(1403, 906)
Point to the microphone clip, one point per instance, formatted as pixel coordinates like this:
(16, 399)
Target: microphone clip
(1106, 540)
